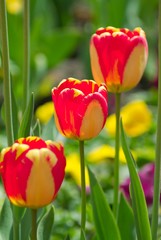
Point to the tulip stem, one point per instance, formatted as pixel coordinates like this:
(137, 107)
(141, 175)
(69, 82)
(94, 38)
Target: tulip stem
(157, 180)
(117, 148)
(6, 72)
(83, 188)
(16, 229)
(26, 74)
(34, 224)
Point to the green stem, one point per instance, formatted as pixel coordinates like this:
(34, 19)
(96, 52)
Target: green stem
(83, 187)
(116, 163)
(156, 198)
(34, 224)
(16, 229)
(6, 72)
(26, 72)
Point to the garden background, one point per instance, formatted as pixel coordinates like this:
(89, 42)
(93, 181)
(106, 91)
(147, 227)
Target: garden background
(60, 32)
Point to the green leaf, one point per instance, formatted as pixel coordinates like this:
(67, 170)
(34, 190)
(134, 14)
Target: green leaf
(18, 213)
(126, 220)
(45, 225)
(106, 227)
(138, 198)
(37, 128)
(24, 130)
(49, 130)
(5, 220)
(14, 114)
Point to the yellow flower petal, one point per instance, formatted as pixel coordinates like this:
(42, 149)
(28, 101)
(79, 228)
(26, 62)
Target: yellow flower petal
(136, 116)
(45, 112)
(40, 185)
(91, 129)
(14, 6)
(105, 152)
(73, 168)
(132, 75)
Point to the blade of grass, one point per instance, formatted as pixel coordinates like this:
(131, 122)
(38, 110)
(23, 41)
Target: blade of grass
(6, 72)
(25, 126)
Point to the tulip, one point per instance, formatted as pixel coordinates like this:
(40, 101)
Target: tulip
(118, 57)
(80, 108)
(32, 171)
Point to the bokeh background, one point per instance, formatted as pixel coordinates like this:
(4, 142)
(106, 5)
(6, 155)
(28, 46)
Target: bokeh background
(60, 32)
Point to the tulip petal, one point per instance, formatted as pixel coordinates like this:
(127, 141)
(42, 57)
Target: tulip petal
(94, 112)
(132, 74)
(40, 185)
(14, 179)
(65, 106)
(96, 70)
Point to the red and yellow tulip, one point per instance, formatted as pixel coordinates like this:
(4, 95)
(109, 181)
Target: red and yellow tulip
(80, 108)
(32, 171)
(118, 57)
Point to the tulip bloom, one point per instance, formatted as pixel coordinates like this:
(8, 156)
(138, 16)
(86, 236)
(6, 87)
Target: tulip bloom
(80, 108)
(32, 171)
(118, 57)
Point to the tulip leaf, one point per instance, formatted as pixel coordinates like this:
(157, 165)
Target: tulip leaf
(106, 227)
(18, 213)
(5, 220)
(48, 130)
(14, 114)
(126, 220)
(46, 224)
(137, 194)
(24, 130)
(37, 128)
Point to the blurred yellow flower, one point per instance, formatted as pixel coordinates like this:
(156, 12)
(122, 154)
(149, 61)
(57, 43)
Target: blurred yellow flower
(73, 168)
(104, 153)
(45, 112)
(136, 117)
(14, 6)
